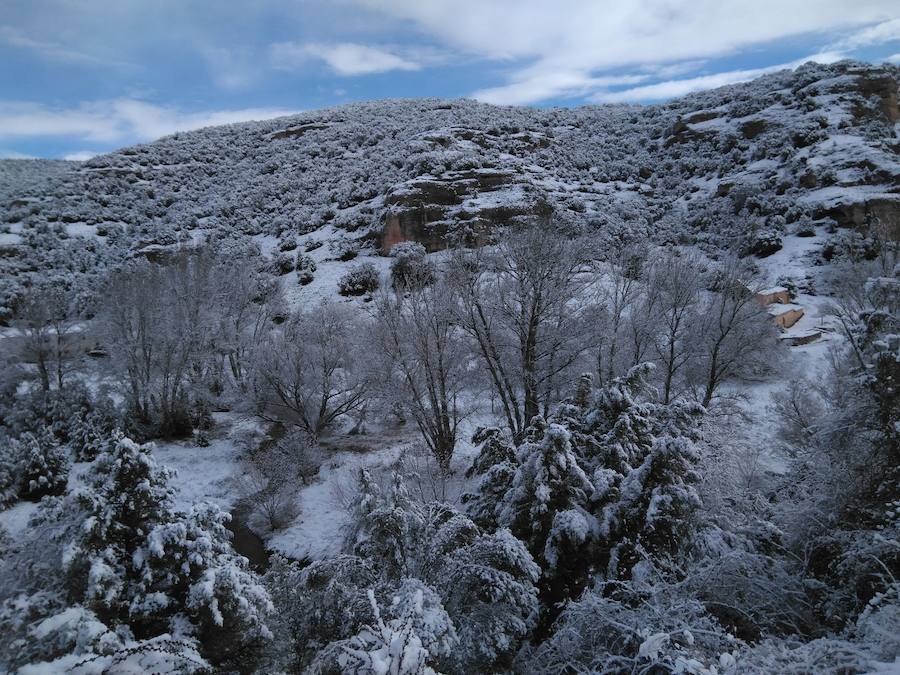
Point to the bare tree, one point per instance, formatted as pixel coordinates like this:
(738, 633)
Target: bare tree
(248, 302)
(734, 331)
(673, 293)
(157, 324)
(48, 320)
(312, 371)
(417, 333)
(518, 302)
(618, 291)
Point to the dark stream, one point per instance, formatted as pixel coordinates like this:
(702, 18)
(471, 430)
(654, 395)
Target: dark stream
(245, 541)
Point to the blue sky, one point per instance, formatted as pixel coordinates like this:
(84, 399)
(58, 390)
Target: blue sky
(78, 77)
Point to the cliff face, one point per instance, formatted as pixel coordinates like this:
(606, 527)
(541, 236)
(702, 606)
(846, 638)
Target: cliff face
(738, 167)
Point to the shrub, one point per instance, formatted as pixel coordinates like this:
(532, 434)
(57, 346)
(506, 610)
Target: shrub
(45, 467)
(360, 280)
(283, 264)
(287, 243)
(345, 250)
(410, 267)
(306, 268)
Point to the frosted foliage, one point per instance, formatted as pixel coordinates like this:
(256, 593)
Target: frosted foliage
(387, 648)
(605, 488)
(744, 163)
(659, 631)
(466, 597)
(133, 565)
(585, 278)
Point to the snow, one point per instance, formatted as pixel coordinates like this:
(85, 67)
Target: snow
(653, 645)
(779, 308)
(81, 230)
(15, 518)
(319, 531)
(206, 474)
(892, 668)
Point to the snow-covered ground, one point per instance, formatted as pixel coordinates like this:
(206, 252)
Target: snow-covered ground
(793, 261)
(318, 531)
(207, 473)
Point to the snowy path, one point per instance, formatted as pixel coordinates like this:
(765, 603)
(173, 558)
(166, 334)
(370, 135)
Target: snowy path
(794, 261)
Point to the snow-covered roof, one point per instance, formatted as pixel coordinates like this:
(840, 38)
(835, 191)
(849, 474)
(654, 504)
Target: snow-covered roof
(773, 290)
(779, 308)
(799, 334)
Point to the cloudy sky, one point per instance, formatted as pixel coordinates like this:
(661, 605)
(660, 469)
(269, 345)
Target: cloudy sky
(78, 77)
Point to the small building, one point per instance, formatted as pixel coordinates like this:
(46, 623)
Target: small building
(768, 296)
(801, 337)
(785, 314)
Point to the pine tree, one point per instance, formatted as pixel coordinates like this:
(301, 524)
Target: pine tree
(651, 517)
(44, 466)
(138, 563)
(495, 468)
(547, 508)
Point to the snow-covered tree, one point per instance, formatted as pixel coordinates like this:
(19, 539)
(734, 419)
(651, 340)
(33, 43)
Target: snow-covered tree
(43, 465)
(392, 647)
(494, 469)
(312, 372)
(651, 517)
(548, 502)
(138, 564)
(608, 483)
(410, 268)
(425, 361)
(464, 584)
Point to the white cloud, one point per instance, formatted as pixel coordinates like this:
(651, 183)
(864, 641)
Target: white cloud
(344, 58)
(886, 31)
(231, 69)
(893, 58)
(565, 43)
(114, 121)
(675, 88)
(539, 84)
(80, 156)
(53, 51)
(12, 154)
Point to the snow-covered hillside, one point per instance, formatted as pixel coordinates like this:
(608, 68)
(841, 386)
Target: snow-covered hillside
(435, 386)
(741, 167)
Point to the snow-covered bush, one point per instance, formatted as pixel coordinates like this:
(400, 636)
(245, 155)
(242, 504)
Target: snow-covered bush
(426, 564)
(134, 566)
(268, 484)
(306, 269)
(345, 249)
(395, 646)
(10, 471)
(90, 432)
(746, 582)
(622, 629)
(282, 264)
(44, 466)
(360, 280)
(410, 267)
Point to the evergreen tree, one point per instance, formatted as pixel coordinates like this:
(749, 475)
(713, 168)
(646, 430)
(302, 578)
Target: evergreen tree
(44, 465)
